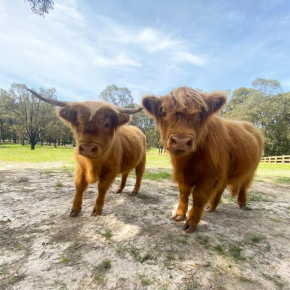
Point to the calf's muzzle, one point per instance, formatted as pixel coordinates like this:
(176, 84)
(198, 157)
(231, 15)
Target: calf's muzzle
(87, 149)
(180, 142)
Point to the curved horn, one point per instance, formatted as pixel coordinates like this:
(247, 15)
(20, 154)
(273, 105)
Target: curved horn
(50, 101)
(129, 111)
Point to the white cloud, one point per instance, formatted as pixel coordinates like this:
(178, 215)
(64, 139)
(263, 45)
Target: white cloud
(184, 56)
(69, 9)
(120, 60)
(154, 40)
(63, 51)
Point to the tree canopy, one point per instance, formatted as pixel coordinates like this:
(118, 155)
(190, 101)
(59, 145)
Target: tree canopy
(268, 109)
(41, 7)
(24, 118)
(121, 97)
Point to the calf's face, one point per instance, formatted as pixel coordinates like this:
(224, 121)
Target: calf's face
(182, 116)
(94, 125)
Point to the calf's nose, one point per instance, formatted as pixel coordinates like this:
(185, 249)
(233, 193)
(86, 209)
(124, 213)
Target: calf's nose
(180, 142)
(87, 149)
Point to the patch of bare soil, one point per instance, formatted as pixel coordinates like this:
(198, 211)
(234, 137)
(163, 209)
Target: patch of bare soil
(134, 244)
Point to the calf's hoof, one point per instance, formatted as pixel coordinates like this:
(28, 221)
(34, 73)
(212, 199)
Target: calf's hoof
(134, 193)
(96, 212)
(242, 207)
(179, 218)
(74, 213)
(188, 229)
(118, 191)
(210, 209)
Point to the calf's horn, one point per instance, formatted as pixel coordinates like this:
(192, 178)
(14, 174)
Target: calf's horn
(129, 111)
(50, 101)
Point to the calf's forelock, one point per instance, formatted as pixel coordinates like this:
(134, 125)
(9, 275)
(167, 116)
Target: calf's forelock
(184, 99)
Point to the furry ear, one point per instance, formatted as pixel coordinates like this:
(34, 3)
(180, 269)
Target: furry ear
(152, 105)
(67, 114)
(120, 119)
(214, 102)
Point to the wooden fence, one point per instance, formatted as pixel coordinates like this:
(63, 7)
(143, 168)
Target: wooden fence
(276, 159)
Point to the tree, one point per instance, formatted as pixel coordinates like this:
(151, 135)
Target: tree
(238, 97)
(31, 116)
(147, 125)
(267, 109)
(121, 97)
(267, 87)
(40, 7)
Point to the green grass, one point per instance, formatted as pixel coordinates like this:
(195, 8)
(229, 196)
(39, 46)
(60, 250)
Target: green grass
(157, 176)
(256, 239)
(236, 251)
(64, 259)
(276, 173)
(144, 280)
(19, 153)
(107, 234)
(58, 184)
(282, 179)
(220, 249)
(101, 269)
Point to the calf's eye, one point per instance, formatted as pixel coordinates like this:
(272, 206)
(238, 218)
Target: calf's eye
(164, 114)
(107, 125)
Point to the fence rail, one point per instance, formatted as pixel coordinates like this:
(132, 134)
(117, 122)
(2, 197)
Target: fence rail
(276, 159)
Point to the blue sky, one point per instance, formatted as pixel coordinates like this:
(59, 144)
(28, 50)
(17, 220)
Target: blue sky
(149, 46)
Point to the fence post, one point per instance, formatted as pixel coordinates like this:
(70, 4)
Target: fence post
(275, 159)
(283, 158)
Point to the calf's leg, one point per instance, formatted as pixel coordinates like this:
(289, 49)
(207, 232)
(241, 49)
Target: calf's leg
(81, 185)
(215, 201)
(243, 194)
(140, 168)
(184, 192)
(103, 186)
(123, 182)
(201, 196)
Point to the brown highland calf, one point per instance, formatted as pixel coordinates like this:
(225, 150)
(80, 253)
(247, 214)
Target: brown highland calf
(207, 152)
(104, 147)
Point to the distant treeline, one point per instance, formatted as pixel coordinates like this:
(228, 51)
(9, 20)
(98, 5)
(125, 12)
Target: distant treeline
(27, 120)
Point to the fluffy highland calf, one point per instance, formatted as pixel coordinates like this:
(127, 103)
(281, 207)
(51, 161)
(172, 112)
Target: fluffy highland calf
(104, 148)
(207, 152)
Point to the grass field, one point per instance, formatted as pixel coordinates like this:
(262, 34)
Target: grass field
(276, 173)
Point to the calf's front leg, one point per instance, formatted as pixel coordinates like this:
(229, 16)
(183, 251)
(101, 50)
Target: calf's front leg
(201, 196)
(184, 192)
(81, 185)
(103, 186)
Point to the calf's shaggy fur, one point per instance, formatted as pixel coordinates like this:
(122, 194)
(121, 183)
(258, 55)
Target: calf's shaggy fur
(208, 153)
(104, 147)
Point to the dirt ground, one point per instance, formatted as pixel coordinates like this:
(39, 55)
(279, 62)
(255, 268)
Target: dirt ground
(134, 244)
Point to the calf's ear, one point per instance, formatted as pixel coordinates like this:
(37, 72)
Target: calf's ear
(214, 102)
(67, 114)
(120, 119)
(152, 105)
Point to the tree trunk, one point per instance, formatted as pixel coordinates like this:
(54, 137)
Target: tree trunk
(1, 132)
(54, 142)
(22, 142)
(32, 146)
(32, 142)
